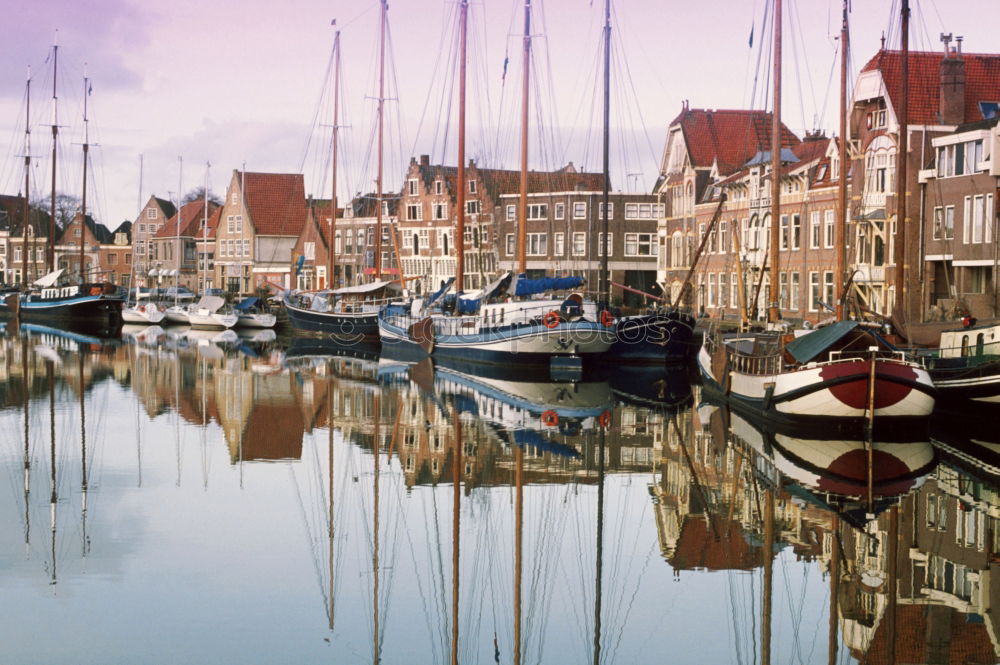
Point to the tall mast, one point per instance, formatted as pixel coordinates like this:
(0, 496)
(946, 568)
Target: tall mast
(522, 208)
(27, 180)
(330, 523)
(460, 171)
(331, 247)
(376, 407)
(518, 544)
(83, 455)
(900, 255)
(773, 294)
(381, 131)
(840, 231)
(204, 232)
(177, 227)
(605, 278)
(50, 246)
(54, 492)
(766, 600)
(86, 158)
(599, 557)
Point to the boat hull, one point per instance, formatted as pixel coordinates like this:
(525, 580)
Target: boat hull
(256, 320)
(527, 342)
(346, 325)
(90, 312)
(828, 394)
(971, 379)
(653, 339)
(142, 315)
(177, 316)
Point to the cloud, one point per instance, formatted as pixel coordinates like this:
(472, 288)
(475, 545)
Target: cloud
(101, 33)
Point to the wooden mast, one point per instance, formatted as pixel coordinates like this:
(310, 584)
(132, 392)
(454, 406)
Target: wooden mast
(518, 544)
(384, 5)
(522, 208)
(83, 200)
(773, 293)
(204, 232)
(900, 253)
(832, 639)
(604, 288)
(376, 656)
(599, 558)
(27, 180)
(766, 600)
(840, 230)
(50, 245)
(463, 20)
(331, 242)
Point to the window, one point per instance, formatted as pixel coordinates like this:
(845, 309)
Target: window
(309, 250)
(639, 244)
(438, 211)
(814, 293)
(425, 239)
(537, 244)
(234, 198)
(960, 158)
(438, 187)
(579, 210)
(828, 228)
(631, 211)
(723, 237)
(796, 232)
(711, 289)
(472, 207)
(828, 287)
(734, 290)
(814, 229)
(337, 242)
(472, 186)
(560, 211)
(510, 244)
(142, 228)
(444, 242)
(230, 224)
(511, 213)
(239, 223)
(979, 279)
(793, 292)
(414, 212)
(784, 232)
(611, 209)
(600, 244)
(411, 187)
(559, 244)
(538, 210)
(112, 259)
(579, 244)
(76, 231)
(151, 213)
(17, 253)
(782, 290)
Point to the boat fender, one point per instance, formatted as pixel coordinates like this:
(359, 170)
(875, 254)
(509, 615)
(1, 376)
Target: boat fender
(550, 418)
(607, 318)
(551, 320)
(605, 418)
(95, 290)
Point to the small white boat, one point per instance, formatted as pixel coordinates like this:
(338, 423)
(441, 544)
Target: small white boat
(177, 315)
(252, 313)
(142, 313)
(206, 313)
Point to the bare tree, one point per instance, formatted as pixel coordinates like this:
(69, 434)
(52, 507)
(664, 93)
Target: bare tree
(198, 194)
(67, 205)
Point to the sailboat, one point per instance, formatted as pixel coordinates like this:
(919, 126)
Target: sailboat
(513, 318)
(96, 305)
(844, 375)
(349, 311)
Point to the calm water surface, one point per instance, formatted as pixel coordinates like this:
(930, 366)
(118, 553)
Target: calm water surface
(196, 498)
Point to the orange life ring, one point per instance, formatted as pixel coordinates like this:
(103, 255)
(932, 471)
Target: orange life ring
(607, 318)
(95, 290)
(551, 320)
(605, 418)
(550, 418)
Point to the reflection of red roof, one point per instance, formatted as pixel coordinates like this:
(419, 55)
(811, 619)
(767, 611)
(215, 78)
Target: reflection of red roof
(931, 634)
(730, 137)
(698, 546)
(273, 430)
(982, 82)
(276, 202)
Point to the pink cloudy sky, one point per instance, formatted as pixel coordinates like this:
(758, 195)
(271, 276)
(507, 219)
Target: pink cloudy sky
(241, 82)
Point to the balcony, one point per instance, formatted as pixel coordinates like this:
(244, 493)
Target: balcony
(868, 274)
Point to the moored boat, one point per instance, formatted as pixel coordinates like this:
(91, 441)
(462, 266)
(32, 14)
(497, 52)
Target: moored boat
(207, 313)
(351, 311)
(966, 366)
(253, 313)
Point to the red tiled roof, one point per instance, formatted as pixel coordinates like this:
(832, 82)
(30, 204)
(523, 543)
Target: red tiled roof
(191, 215)
(730, 137)
(982, 82)
(276, 202)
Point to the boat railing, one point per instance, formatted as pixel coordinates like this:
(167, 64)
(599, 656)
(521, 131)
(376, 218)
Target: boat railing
(753, 363)
(850, 355)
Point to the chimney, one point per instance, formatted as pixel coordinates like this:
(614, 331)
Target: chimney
(425, 160)
(951, 105)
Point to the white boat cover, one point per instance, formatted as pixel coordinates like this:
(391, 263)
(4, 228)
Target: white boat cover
(362, 288)
(45, 281)
(211, 303)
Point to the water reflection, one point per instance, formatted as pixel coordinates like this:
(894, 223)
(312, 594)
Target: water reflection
(341, 506)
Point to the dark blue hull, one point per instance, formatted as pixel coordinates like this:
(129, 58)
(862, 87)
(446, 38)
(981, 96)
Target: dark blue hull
(353, 326)
(653, 339)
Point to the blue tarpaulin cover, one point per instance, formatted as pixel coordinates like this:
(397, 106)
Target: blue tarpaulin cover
(527, 287)
(247, 304)
(529, 437)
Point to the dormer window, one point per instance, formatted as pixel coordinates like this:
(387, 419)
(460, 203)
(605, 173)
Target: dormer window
(151, 213)
(472, 186)
(234, 198)
(438, 187)
(411, 187)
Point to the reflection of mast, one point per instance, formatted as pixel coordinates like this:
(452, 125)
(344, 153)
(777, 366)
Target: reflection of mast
(600, 546)
(518, 528)
(891, 555)
(27, 451)
(53, 497)
(456, 519)
(765, 642)
(329, 520)
(375, 455)
(834, 589)
(83, 457)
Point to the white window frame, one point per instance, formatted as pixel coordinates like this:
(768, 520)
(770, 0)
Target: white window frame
(579, 243)
(579, 210)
